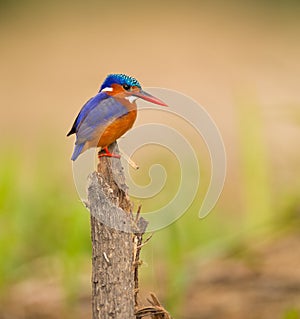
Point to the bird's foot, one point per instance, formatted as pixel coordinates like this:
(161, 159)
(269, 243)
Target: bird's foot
(106, 153)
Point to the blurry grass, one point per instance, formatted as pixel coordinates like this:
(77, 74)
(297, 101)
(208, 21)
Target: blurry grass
(41, 218)
(38, 219)
(291, 314)
(255, 165)
(183, 244)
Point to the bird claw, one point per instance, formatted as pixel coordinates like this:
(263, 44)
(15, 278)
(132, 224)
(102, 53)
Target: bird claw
(106, 153)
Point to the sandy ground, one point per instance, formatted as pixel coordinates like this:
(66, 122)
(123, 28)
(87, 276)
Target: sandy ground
(263, 282)
(264, 285)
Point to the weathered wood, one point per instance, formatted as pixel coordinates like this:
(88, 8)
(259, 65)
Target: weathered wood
(116, 244)
(112, 240)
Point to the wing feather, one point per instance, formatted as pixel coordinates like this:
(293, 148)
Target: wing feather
(87, 107)
(97, 118)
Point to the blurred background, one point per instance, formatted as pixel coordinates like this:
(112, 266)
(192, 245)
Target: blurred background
(240, 60)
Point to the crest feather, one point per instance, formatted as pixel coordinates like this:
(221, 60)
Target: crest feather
(119, 79)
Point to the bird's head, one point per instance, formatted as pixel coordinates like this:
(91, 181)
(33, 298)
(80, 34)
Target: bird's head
(127, 87)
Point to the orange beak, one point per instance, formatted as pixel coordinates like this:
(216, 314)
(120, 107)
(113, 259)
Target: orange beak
(148, 97)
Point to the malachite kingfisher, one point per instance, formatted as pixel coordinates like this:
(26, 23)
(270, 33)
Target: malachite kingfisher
(109, 114)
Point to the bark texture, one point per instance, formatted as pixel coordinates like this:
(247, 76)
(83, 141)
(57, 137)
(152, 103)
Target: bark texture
(117, 239)
(112, 240)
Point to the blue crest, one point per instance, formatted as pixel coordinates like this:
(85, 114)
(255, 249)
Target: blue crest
(119, 79)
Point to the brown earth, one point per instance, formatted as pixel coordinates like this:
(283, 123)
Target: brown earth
(260, 282)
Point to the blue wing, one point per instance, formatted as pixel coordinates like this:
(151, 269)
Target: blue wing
(97, 113)
(99, 117)
(88, 106)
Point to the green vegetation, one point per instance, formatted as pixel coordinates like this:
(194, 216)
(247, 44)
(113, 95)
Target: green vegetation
(42, 219)
(292, 314)
(38, 219)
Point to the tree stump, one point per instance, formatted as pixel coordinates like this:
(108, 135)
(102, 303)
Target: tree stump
(112, 242)
(116, 243)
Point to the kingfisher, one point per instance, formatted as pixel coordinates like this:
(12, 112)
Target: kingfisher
(109, 114)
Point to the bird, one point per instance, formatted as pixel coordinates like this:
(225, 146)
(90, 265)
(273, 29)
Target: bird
(109, 114)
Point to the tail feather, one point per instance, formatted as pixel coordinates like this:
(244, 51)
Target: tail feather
(77, 151)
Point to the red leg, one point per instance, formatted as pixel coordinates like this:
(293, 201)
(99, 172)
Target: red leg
(105, 152)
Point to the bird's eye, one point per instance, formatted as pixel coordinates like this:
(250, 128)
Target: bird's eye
(126, 87)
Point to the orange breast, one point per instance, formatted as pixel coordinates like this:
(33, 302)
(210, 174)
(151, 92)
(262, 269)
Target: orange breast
(117, 128)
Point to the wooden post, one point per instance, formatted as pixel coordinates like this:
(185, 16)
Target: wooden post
(116, 243)
(112, 242)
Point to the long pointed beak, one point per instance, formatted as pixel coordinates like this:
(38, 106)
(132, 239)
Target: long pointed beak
(148, 97)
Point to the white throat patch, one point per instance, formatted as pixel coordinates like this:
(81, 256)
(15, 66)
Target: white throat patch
(131, 98)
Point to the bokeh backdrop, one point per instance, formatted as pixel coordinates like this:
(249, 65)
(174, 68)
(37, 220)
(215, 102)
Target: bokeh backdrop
(240, 60)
